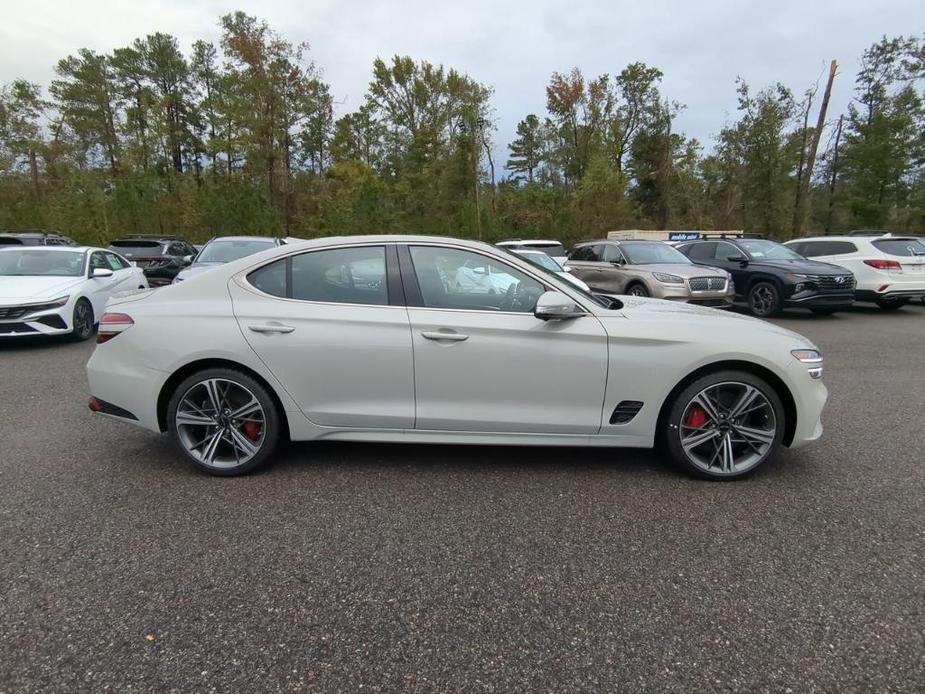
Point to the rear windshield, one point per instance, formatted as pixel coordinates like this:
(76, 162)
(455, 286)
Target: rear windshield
(135, 247)
(900, 247)
(550, 249)
(226, 250)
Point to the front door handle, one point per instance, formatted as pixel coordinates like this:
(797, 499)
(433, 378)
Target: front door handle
(440, 335)
(271, 328)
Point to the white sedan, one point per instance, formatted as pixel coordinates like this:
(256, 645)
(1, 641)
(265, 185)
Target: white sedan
(59, 290)
(278, 345)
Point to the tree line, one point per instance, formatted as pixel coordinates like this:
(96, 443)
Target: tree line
(242, 137)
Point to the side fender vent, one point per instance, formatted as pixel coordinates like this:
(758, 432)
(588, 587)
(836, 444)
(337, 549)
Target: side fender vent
(625, 411)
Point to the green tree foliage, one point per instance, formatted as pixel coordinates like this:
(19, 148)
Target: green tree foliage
(244, 136)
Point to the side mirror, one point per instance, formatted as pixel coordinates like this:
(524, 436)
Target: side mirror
(556, 306)
(102, 272)
(737, 259)
(187, 260)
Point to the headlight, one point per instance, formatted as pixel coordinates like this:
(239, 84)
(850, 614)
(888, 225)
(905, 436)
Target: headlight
(812, 358)
(667, 279)
(48, 305)
(798, 276)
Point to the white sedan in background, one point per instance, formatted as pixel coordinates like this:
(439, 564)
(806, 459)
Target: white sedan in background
(60, 290)
(283, 344)
(547, 262)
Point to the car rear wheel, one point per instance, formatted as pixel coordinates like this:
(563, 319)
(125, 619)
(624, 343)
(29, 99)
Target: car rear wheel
(224, 421)
(82, 320)
(637, 289)
(724, 426)
(764, 300)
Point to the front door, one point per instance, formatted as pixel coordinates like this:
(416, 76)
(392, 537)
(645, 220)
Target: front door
(484, 363)
(327, 325)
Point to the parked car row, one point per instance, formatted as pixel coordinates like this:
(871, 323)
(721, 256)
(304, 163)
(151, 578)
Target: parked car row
(822, 274)
(51, 286)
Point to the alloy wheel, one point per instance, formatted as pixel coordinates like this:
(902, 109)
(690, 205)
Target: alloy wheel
(83, 320)
(763, 300)
(220, 423)
(638, 290)
(728, 428)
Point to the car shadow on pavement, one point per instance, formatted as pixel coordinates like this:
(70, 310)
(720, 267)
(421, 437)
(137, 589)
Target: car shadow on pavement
(22, 344)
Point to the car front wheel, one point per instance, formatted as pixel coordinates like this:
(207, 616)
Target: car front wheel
(82, 320)
(724, 426)
(764, 300)
(224, 421)
(638, 290)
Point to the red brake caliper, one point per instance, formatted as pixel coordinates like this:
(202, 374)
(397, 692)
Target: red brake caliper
(251, 430)
(696, 417)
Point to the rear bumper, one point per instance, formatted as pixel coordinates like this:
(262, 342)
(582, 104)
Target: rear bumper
(871, 295)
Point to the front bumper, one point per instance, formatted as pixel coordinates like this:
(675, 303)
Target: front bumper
(815, 299)
(55, 321)
(716, 299)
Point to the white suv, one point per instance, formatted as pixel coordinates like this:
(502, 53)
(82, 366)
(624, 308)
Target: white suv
(890, 270)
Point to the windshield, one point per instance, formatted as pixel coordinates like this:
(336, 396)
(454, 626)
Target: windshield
(40, 262)
(541, 260)
(135, 247)
(551, 248)
(226, 250)
(653, 253)
(768, 250)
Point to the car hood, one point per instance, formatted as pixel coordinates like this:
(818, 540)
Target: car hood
(35, 287)
(805, 267)
(195, 269)
(679, 269)
(701, 317)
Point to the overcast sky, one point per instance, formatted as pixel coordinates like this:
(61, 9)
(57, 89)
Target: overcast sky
(513, 47)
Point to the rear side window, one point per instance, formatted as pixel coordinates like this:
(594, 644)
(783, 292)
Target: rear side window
(10, 241)
(900, 247)
(582, 253)
(611, 254)
(340, 275)
(699, 251)
(814, 249)
(270, 279)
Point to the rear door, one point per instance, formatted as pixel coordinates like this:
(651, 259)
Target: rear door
(331, 326)
(484, 363)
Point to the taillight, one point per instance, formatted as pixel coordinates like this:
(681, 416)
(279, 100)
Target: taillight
(112, 324)
(883, 264)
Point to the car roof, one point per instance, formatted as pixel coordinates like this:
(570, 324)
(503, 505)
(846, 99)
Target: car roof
(529, 242)
(858, 237)
(52, 249)
(243, 237)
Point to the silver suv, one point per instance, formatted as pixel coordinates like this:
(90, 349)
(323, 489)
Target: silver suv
(649, 268)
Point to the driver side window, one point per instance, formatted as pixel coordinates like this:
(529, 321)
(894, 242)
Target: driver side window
(457, 279)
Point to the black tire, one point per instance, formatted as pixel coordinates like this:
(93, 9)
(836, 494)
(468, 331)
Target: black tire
(891, 304)
(271, 425)
(82, 321)
(637, 289)
(823, 311)
(670, 434)
(764, 300)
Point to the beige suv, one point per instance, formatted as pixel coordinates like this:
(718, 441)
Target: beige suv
(649, 268)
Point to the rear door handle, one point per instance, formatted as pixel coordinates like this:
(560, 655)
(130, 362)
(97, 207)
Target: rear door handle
(440, 335)
(271, 328)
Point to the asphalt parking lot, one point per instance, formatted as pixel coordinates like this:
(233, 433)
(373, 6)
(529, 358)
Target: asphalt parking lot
(382, 567)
